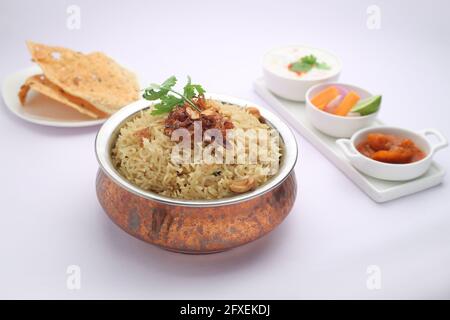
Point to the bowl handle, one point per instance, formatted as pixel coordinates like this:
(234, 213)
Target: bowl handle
(345, 145)
(442, 141)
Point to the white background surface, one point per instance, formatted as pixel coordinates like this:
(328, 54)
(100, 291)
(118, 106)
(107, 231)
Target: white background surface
(50, 217)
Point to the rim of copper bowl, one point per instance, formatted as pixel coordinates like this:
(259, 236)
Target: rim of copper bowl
(107, 135)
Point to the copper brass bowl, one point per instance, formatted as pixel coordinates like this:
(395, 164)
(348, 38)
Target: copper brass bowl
(195, 226)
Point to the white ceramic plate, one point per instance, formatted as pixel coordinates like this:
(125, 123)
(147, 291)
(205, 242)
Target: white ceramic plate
(378, 190)
(40, 109)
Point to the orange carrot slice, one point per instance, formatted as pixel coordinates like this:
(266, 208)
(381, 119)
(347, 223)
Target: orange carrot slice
(347, 104)
(321, 99)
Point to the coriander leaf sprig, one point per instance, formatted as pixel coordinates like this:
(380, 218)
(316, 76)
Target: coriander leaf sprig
(165, 94)
(306, 63)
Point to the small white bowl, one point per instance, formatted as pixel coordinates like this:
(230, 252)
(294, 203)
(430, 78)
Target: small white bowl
(334, 125)
(287, 84)
(388, 171)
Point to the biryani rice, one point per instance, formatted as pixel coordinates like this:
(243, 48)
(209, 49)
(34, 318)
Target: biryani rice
(146, 162)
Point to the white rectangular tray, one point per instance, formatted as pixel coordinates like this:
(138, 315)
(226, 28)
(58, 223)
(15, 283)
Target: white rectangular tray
(378, 190)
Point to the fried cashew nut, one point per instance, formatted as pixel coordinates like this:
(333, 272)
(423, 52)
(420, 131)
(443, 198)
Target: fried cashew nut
(194, 115)
(255, 112)
(244, 185)
(209, 112)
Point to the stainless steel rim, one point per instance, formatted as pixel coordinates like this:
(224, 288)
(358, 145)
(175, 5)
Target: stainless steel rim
(108, 132)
